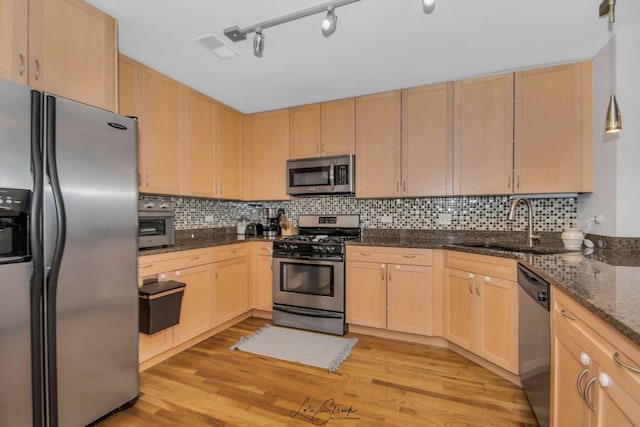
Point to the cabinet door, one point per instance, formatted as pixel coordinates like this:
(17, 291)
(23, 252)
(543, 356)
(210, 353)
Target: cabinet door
(305, 131)
(229, 153)
(264, 281)
(160, 135)
(409, 299)
(366, 296)
(198, 145)
(568, 407)
(460, 304)
(266, 149)
(378, 145)
(339, 127)
(553, 129)
(195, 309)
(230, 289)
(129, 87)
(427, 141)
(14, 24)
(483, 135)
(497, 319)
(78, 46)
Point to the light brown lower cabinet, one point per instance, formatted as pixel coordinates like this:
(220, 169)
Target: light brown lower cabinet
(481, 300)
(595, 371)
(190, 267)
(262, 276)
(390, 288)
(230, 296)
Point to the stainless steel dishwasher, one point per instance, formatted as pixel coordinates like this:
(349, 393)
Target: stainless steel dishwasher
(534, 338)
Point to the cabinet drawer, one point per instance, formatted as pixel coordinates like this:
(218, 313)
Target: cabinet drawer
(221, 253)
(411, 256)
(503, 268)
(154, 264)
(590, 332)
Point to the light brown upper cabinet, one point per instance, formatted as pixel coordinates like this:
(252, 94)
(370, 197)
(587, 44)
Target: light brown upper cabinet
(553, 129)
(198, 154)
(483, 135)
(325, 129)
(160, 141)
(228, 153)
(378, 145)
(427, 141)
(265, 153)
(14, 24)
(72, 50)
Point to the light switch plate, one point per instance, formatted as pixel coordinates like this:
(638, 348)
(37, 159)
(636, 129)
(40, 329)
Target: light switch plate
(444, 219)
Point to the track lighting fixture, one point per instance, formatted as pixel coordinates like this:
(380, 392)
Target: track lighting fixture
(328, 26)
(330, 22)
(429, 5)
(258, 43)
(608, 8)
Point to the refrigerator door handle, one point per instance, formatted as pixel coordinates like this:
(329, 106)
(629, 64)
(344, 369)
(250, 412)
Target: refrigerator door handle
(52, 277)
(37, 257)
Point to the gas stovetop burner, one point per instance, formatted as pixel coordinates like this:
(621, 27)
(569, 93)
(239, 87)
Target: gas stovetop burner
(321, 238)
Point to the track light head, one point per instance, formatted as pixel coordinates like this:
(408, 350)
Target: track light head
(330, 22)
(428, 6)
(258, 43)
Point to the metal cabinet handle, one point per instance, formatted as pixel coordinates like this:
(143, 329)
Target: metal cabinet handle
(616, 358)
(37, 74)
(579, 381)
(194, 258)
(364, 254)
(509, 182)
(478, 287)
(382, 267)
(566, 314)
(318, 148)
(22, 64)
(404, 186)
(409, 256)
(517, 181)
(146, 266)
(471, 276)
(586, 394)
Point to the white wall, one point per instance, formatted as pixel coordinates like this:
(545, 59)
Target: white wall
(616, 192)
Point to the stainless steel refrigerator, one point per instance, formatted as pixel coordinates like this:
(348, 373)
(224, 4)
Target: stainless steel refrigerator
(68, 260)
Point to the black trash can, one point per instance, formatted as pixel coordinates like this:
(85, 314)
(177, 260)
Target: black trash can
(159, 304)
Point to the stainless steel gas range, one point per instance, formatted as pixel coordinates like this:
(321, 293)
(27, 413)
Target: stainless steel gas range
(309, 274)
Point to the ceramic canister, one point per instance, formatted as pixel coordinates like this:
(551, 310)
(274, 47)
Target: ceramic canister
(572, 238)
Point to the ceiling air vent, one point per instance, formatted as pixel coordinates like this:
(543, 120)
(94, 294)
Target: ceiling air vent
(213, 44)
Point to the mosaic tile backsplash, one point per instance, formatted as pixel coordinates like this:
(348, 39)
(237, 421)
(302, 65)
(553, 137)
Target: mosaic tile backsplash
(467, 213)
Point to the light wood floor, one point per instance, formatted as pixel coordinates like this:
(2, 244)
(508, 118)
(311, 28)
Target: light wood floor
(382, 383)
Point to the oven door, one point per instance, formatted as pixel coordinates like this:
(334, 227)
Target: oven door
(309, 283)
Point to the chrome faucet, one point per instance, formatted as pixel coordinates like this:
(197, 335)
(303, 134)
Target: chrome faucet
(512, 217)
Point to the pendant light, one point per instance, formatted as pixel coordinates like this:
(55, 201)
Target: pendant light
(330, 23)
(613, 121)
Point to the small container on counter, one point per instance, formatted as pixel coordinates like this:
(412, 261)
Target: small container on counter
(572, 238)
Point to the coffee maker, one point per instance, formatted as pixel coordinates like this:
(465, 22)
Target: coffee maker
(271, 222)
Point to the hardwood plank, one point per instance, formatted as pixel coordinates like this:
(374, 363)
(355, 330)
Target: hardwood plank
(383, 383)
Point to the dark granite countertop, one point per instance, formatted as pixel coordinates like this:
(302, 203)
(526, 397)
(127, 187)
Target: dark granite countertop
(605, 281)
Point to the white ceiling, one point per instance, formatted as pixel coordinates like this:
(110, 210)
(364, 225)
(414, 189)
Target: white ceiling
(379, 45)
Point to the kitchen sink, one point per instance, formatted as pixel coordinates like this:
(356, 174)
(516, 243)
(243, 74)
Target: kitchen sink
(541, 250)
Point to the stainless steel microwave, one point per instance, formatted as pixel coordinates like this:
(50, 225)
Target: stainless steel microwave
(321, 175)
(155, 224)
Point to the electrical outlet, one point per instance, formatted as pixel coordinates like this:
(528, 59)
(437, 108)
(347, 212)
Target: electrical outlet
(208, 218)
(444, 219)
(386, 219)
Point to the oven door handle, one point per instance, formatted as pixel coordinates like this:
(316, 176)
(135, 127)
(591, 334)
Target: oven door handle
(320, 261)
(305, 313)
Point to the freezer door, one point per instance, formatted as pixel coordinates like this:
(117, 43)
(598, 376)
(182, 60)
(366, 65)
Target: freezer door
(15, 330)
(96, 300)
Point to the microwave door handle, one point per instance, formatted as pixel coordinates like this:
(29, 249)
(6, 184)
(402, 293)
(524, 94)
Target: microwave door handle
(332, 175)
